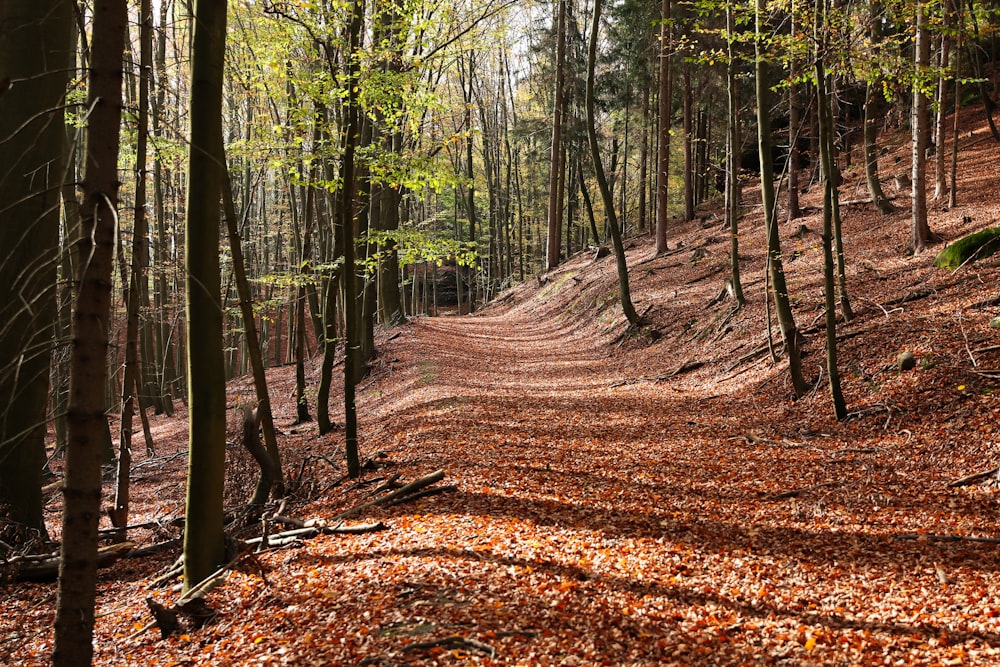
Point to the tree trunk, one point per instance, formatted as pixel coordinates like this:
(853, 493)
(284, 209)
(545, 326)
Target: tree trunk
(602, 181)
(266, 419)
(829, 200)
(36, 59)
(663, 149)
(921, 234)
(940, 127)
(203, 530)
(732, 165)
(132, 374)
(556, 166)
(74, 623)
(689, 168)
(779, 290)
(349, 179)
(794, 130)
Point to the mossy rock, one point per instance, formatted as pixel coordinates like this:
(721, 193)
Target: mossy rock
(969, 249)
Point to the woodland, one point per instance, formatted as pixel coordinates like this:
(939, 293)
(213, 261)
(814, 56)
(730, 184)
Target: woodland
(565, 332)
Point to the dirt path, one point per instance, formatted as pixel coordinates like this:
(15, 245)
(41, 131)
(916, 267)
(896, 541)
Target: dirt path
(597, 522)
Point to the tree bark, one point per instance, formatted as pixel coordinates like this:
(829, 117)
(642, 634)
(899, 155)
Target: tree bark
(663, 148)
(829, 207)
(36, 59)
(779, 289)
(920, 235)
(554, 239)
(74, 623)
(602, 182)
(352, 360)
(203, 531)
(732, 164)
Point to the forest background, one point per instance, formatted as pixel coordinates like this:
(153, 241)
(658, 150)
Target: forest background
(250, 186)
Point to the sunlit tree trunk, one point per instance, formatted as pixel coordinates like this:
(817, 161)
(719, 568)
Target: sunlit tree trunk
(733, 164)
(556, 156)
(779, 289)
(829, 209)
(921, 234)
(663, 149)
(624, 292)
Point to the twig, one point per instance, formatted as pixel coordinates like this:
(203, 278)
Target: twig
(973, 478)
(453, 641)
(965, 336)
(798, 492)
(930, 537)
(412, 487)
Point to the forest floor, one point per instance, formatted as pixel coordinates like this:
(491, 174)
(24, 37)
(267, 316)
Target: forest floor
(616, 502)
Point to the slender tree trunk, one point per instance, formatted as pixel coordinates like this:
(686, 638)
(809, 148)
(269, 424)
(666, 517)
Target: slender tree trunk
(779, 289)
(602, 181)
(556, 166)
(794, 129)
(203, 529)
(732, 165)
(663, 149)
(829, 199)
(74, 623)
(264, 486)
(921, 234)
(132, 375)
(940, 127)
(953, 190)
(353, 344)
(689, 139)
(643, 203)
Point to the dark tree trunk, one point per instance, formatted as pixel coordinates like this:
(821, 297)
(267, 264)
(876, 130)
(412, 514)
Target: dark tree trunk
(74, 623)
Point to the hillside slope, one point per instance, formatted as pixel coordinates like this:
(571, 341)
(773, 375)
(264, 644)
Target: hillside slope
(616, 502)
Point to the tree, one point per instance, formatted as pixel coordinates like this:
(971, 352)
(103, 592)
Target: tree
(602, 181)
(663, 150)
(132, 375)
(352, 348)
(556, 171)
(920, 231)
(830, 195)
(873, 93)
(733, 144)
(203, 529)
(35, 62)
(74, 623)
(776, 271)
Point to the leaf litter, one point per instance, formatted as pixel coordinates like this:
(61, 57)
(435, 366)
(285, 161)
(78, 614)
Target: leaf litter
(611, 510)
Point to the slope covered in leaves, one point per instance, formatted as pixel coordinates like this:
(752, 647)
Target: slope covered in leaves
(631, 498)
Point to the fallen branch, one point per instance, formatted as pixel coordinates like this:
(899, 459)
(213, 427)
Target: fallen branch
(289, 536)
(973, 478)
(433, 491)
(453, 642)
(407, 489)
(686, 367)
(46, 568)
(930, 537)
(911, 296)
(154, 548)
(794, 493)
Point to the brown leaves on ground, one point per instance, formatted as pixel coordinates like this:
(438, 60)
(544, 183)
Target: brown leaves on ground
(612, 511)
